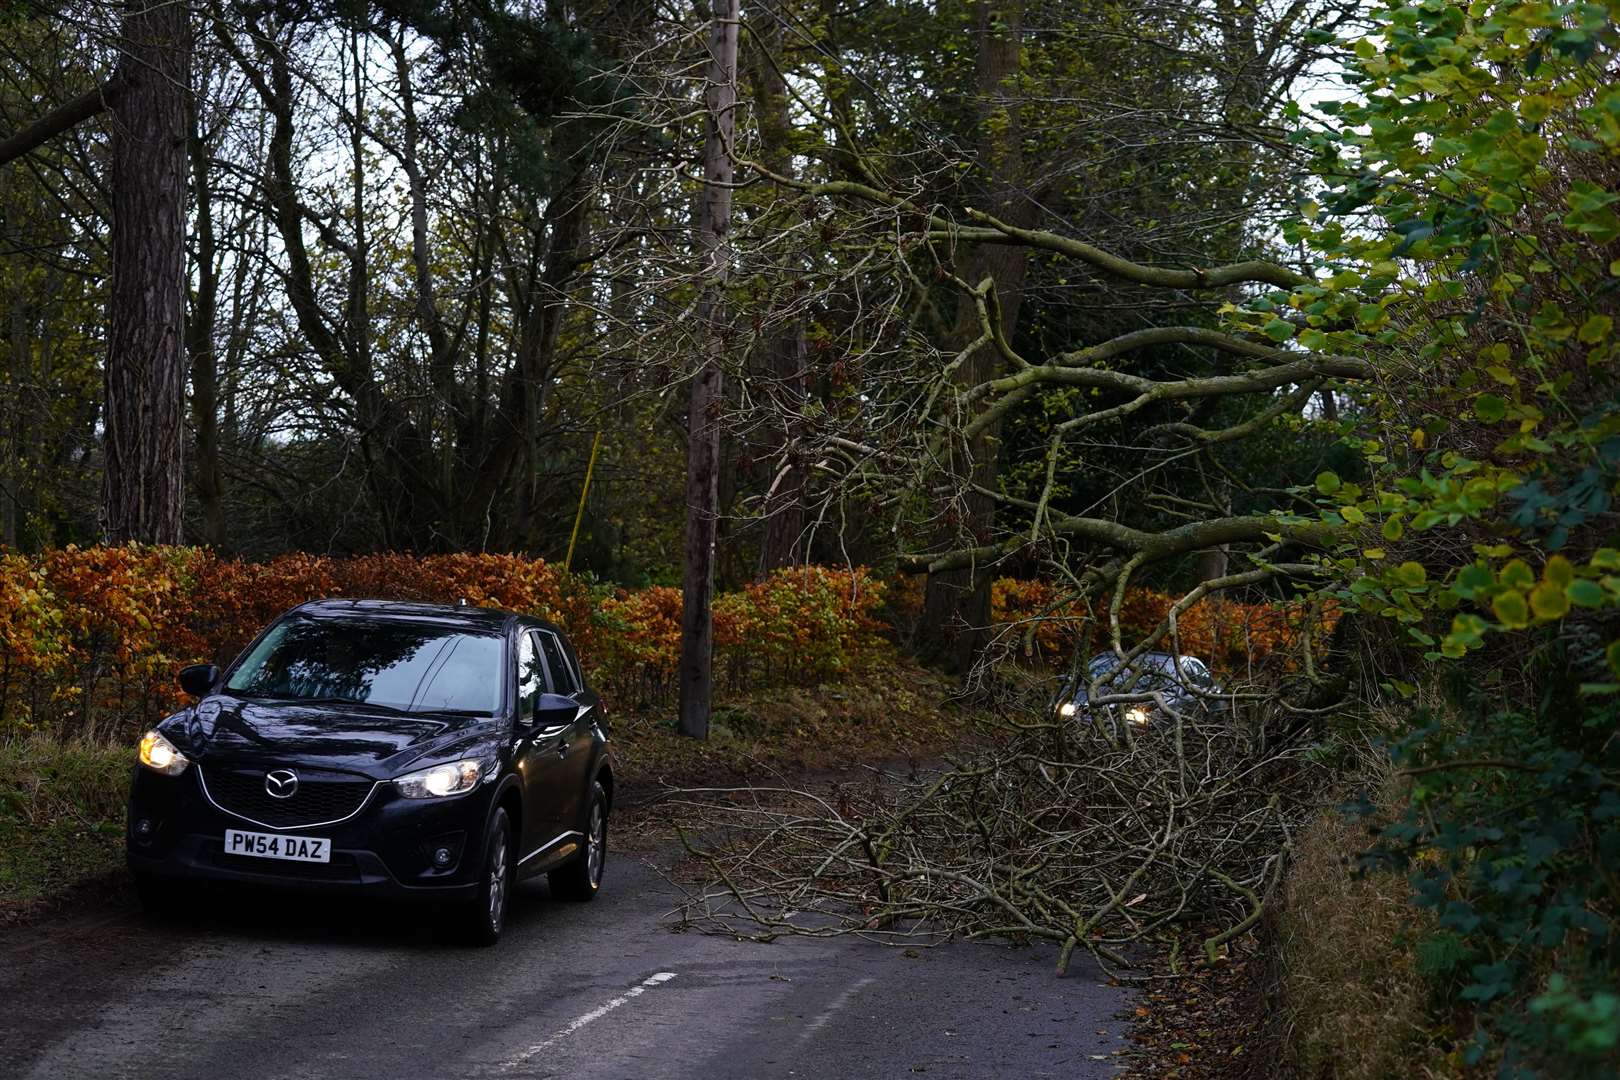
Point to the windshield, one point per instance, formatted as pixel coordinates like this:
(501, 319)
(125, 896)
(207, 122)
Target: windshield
(383, 662)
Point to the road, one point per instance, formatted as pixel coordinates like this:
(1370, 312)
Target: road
(603, 990)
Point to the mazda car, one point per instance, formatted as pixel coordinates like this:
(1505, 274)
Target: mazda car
(404, 750)
(1155, 687)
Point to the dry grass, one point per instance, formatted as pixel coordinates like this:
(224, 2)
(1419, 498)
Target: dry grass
(1354, 1005)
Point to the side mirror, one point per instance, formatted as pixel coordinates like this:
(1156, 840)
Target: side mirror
(554, 712)
(198, 679)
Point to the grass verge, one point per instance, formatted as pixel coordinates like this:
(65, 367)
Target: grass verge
(61, 819)
(1353, 1000)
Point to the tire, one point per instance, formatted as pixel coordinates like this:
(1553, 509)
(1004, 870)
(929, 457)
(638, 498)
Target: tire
(484, 917)
(581, 879)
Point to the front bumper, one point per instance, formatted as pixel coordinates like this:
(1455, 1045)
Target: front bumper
(174, 831)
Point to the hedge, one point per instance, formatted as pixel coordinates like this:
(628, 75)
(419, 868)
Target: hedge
(91, 638)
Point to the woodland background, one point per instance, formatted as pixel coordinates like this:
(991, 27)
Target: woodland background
(983, 335)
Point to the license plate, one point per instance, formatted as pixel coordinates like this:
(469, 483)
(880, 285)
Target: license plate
(277, 846)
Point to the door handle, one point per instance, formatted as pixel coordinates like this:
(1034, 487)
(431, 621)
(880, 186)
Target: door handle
(562, 749)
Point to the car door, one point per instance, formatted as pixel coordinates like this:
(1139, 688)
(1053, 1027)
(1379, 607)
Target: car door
(577, 761)
(541, 753)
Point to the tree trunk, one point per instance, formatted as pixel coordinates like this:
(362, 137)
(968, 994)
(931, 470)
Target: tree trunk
(786, 372)
(956, 605)
(703, 413)
(143, 489)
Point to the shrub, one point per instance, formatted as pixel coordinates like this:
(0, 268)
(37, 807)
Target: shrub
(1230, 634)
(92, 637)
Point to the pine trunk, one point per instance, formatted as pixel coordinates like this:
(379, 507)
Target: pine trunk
(956, 605)
(703, 414)
(143, 492)
(783, 542)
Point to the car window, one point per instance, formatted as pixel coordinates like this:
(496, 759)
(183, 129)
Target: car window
(562, 673)
(1198, 675)
(388, 662)
(531, 675)
(1101, 664)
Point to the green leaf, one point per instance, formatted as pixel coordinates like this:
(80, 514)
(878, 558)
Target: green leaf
(1517, 575)
(1595, 329)
(1393, 528)
(1490, 408)
(1584, 593)
(1328, 482)
(1612, 654)
(1511, 609)
(1353, 515)
(1473, 580)
(1278, 330)
(1410, 573)
(1559, 570)
(1548, 601)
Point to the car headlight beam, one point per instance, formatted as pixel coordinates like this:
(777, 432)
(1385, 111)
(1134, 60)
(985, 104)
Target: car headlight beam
(452, 778)
(1137, 715)
(162, 756)
(1067, 709)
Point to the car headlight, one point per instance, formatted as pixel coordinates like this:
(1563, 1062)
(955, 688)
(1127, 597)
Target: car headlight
(1137, 715)
(453, 778)
(161, 756)
(1068, 708)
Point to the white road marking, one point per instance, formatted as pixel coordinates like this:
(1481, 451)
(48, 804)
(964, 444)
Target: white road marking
(821, 1018)
(595, 1014)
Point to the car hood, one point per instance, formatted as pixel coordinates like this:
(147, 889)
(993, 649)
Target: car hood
(374, 742)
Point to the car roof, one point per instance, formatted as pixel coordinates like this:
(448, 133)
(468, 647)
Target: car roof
(1162, 658)
(467, 617)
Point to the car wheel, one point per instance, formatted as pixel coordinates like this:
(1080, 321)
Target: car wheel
(484, 917)
(581, 879)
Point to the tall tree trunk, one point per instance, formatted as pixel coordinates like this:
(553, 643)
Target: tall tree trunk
(143, 490)
(956, 605)
(703, 413)
(784, 502)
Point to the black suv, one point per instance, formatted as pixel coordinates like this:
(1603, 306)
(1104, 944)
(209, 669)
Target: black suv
(399, 749)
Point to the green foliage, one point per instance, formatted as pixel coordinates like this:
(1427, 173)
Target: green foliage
(1512, 840)
(1464, 220)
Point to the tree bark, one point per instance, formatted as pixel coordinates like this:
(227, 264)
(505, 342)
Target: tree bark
(956, 605)
(786, 360)
(143, 491)
(703, 419)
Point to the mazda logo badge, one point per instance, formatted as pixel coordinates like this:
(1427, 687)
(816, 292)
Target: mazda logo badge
(281, 783)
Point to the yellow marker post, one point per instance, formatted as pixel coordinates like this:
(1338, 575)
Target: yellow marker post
(579, 514)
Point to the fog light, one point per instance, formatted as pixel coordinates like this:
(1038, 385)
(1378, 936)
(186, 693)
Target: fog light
(442, 856)
(143, 828)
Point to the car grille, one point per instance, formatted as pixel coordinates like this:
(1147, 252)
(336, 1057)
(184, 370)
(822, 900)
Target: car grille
(321, 797)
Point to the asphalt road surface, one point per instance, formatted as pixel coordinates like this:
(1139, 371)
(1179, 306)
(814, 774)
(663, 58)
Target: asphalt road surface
(593, 990)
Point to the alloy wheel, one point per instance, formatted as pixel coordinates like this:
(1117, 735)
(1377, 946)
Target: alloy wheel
(595, 844)
(497, 884)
